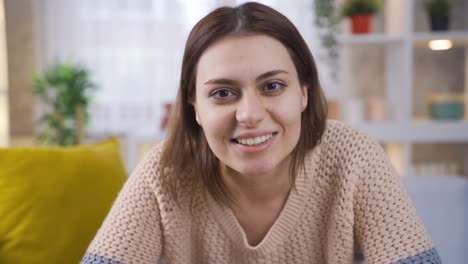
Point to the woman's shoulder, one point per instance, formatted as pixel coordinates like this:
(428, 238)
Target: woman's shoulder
(151, 159)
(338, 130)
(340, 133)
(150, 166)
(160, 177)
(345, 141)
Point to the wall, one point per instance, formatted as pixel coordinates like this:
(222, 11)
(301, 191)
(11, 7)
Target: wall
(4, 118)
(21, 63)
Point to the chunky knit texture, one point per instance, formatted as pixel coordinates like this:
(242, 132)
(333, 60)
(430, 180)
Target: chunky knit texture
(347, 196)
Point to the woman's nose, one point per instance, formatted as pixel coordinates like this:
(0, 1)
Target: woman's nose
(250, 110)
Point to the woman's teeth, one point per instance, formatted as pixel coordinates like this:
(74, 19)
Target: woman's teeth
(255, 140)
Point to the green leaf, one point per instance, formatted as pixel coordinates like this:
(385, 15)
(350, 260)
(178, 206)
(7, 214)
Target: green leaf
(63, 87)
(438, 7)
(357, 7)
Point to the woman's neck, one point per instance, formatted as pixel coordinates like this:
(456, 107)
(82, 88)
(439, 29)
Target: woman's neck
(259, 189)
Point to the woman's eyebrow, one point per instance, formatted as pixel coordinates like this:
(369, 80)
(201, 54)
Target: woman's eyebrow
(269, 74)
(262, 76)
(222, 81)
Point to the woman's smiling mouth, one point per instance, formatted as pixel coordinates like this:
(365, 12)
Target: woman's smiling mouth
(254, 140)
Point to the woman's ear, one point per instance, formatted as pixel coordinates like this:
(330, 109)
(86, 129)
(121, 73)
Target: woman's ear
(304, 97)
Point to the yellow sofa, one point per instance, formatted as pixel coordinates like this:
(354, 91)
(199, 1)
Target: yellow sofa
(53, 200)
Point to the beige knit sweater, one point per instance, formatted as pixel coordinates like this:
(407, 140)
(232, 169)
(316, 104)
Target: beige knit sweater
(348, 195)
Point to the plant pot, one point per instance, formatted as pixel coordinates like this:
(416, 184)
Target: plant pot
(439, 23)
(446, 106)
(361, 24)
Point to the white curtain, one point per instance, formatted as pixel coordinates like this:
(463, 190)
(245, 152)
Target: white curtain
(134, 50)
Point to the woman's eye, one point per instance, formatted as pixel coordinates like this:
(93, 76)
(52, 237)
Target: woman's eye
(222, 94)
(273, 86)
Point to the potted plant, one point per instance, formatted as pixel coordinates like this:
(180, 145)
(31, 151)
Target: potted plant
(65, 91)
(360, 12)
(438, 11)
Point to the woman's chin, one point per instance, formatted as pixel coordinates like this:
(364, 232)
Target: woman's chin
(255, 169)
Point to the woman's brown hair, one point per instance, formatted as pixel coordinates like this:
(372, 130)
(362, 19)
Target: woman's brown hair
(186, 150)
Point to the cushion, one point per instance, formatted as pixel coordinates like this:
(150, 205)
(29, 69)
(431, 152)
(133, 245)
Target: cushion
(53, 200)
(441, 203)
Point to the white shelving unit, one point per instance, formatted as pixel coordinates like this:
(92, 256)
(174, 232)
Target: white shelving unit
(417, 132)
(457, 36)
(398, 42)
(370, 39)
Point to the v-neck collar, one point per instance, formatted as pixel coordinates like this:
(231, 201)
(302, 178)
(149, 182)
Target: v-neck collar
(290, 215)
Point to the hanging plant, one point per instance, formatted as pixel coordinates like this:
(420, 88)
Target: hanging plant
(65, 90)
(327, 22)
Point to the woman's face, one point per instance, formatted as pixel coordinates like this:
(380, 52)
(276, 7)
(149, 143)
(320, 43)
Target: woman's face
(249, 103)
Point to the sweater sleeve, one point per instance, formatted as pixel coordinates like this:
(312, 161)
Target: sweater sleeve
(131, 232)
(387, 227)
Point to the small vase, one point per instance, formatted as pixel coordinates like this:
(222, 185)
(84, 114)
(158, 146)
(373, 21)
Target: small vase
(361, 24)
(166, 115)
(439, 23)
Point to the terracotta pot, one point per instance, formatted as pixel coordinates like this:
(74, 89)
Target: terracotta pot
(361, 24)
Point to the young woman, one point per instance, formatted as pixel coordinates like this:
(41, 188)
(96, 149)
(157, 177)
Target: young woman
(251, 171)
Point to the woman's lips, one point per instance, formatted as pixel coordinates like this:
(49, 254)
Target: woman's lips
(250, 141)
(254, 144)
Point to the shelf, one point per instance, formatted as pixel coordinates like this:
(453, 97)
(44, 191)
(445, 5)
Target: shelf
(437, 182)
(458, 37)
(437, 176)
(417, 132)
(370, 39)
(442, 131)
(385, 131)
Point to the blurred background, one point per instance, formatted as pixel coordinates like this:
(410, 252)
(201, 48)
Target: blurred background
(386, 80)
(78, 71)
(131, 49)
